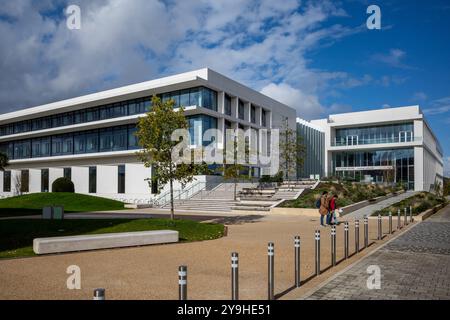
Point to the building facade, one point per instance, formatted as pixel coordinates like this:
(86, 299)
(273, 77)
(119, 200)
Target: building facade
(394, 145)
(313, 139)
(91, 139)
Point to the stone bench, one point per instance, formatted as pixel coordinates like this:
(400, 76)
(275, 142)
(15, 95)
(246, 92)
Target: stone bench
(103, 241)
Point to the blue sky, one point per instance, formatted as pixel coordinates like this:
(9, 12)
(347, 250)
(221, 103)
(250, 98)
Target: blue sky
(317, 56)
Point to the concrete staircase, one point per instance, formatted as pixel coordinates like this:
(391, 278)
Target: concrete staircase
(264, 197)
(219, 199)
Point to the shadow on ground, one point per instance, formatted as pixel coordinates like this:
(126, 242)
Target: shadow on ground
(238, 220)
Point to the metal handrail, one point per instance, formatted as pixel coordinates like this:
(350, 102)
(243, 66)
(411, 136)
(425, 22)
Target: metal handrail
(177, 194)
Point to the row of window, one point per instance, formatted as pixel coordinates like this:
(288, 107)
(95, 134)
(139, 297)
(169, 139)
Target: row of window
(117, 138)
(25, 180)
(199, 96)
(241, 111)
(376, 134)
(98, 140)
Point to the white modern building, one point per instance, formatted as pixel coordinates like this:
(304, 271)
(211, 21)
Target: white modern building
(387, 145)
(91, 138)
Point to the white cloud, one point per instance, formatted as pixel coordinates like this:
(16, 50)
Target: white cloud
(438, 106)
(394, 58)
(419, 96)
(257, 42)
(307, 105)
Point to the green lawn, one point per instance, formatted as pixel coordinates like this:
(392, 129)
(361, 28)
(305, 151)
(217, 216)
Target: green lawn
(419, 203)
(32, 204)
(16, 235)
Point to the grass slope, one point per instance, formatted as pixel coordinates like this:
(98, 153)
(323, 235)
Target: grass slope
(419, 203)
(16, 235)
(32, 204)
(348, 193)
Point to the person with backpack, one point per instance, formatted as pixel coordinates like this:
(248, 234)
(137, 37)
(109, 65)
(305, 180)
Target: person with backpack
(323, 204)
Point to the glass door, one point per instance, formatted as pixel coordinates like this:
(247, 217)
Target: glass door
(405, 136)
(352, 140)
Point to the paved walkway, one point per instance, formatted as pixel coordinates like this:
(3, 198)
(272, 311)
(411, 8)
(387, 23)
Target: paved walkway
(151, 272)
(368, 210)
(416, 265)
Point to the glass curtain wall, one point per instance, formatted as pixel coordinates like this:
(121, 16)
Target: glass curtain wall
(198, 96)
(380, 166)
(403, 132)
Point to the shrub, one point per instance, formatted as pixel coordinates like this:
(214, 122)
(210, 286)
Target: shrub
(63, 185)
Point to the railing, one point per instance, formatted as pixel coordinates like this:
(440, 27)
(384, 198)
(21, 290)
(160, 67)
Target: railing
(178, 194)
(362, 141)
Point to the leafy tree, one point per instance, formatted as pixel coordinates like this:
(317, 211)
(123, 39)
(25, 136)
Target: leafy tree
(155, 137)
(292, 151)
(4, 161)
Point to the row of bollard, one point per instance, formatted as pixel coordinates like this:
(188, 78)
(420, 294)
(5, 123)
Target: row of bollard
(99, 294)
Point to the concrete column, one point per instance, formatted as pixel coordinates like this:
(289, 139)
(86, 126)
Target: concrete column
(1, 181)
(258, 116)
(221, 102)
(418, 169)
(221, 128)
(53, 174)
(234, 107)
(107, 179)
(247, 110)
(35, 180)
(80, 179)
(135, 175)
(418, 129)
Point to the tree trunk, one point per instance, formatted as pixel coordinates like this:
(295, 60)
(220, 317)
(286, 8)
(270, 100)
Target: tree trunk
(172, 214)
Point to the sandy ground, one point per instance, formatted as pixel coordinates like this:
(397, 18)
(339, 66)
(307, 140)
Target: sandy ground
(151, 272)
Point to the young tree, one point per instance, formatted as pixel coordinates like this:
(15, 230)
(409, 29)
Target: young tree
(155, 137)
(232, 170)
(292, 151)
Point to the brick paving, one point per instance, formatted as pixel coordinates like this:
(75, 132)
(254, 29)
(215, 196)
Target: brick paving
(416, 265)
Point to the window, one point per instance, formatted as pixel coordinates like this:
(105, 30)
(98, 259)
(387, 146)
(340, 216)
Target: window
(184, 98)
(7, 181)
(133, 141)
(106, 140)
(198, 126)
(227, 105)
(92, 179)
(264, 117)
(92, 114)
(194, 97)
(121, 179)
(44, 180)
(79, 116)
(67, 173)
(8, 149)
(22, 149)
(24, 181)
(208, 99)
(253, 114)
(62, 145)
(86, 142)
(120, 138)
(40, 147)
(241, 110)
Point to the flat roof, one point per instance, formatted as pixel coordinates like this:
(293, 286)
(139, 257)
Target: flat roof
(204, 76)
